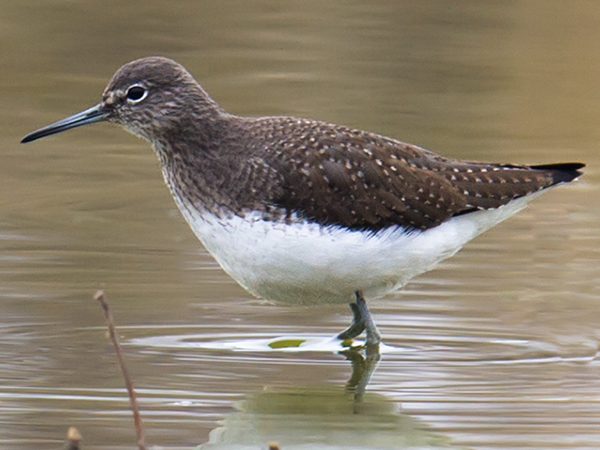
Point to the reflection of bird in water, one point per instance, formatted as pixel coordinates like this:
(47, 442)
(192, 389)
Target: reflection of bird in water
(322, 418)
(303, 211)
(362, 370)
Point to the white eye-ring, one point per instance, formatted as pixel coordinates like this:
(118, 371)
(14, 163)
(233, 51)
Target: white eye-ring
(136, 93)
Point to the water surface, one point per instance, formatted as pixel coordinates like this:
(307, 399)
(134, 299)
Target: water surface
(497, 348)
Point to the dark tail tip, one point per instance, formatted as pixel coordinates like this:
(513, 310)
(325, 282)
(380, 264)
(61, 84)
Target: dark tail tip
(561, 172)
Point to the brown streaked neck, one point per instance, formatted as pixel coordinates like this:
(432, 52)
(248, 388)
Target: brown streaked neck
(206, 163)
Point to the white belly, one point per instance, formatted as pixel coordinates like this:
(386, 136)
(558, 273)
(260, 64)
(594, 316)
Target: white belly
(305, 263)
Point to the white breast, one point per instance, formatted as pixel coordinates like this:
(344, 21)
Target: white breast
(305, 263)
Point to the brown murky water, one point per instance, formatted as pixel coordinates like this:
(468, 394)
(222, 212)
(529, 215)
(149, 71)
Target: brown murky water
(495, 349)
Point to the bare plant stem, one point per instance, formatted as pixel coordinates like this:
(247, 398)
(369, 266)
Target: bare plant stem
(132, 397)
(73, 439)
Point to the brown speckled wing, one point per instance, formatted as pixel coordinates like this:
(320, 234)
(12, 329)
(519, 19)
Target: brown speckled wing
(335, 175)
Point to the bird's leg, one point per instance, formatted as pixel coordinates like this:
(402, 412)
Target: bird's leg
(357, 327)
(373, 336)
(362, 321)
(362, 368)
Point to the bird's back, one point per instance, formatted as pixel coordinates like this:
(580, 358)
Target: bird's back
(335, 175)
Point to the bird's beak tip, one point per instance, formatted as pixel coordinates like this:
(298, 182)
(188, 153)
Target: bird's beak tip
(90, 115)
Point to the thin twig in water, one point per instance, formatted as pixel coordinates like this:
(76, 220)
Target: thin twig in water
(73, 439)
(132, 397)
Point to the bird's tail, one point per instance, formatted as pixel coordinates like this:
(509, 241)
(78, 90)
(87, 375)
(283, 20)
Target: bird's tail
(561, 172)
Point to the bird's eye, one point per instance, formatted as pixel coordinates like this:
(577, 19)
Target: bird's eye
(136, 93)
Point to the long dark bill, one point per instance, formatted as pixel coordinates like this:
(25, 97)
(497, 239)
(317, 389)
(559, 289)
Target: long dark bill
(91, 115)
